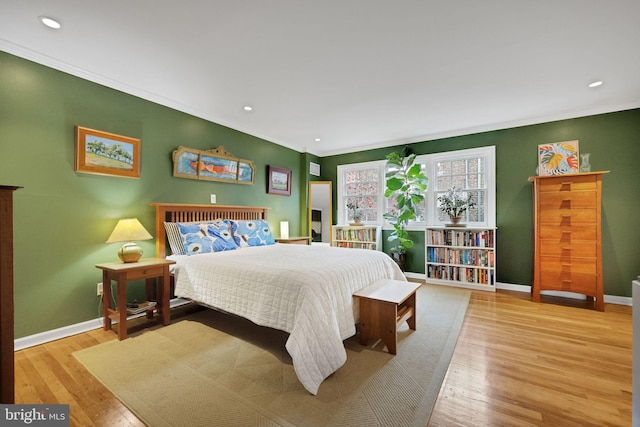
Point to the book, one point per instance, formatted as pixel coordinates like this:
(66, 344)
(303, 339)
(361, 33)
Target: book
(136, 308)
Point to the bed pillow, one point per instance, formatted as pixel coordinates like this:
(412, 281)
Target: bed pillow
(252, 233)
(205, 237)
(174, 238)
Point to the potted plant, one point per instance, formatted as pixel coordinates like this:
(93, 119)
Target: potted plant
(355, 212)
(406, 182)
(454, 203)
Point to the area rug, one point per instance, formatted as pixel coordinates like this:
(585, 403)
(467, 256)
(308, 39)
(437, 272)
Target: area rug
(214, 369)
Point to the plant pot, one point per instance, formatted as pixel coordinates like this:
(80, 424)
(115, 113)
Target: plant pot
(455, 222)
(400, 259)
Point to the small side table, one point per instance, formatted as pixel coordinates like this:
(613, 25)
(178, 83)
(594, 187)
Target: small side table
(148, 269)
(295, 240)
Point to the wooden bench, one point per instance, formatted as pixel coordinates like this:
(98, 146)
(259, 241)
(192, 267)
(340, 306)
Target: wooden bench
(384, 306)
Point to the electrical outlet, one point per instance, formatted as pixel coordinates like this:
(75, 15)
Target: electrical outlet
(213, 198)
(99, 289)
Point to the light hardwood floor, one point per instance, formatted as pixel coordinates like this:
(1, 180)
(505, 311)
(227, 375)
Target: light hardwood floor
(516, 363)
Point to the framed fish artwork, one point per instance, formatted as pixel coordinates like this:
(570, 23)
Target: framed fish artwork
(558, 158)
(212, 165)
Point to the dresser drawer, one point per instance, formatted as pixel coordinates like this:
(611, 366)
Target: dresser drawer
(568, 216)
(568, 234)
(576, 282)
(573, 183)
(580, 248)
(567, 265)
(562, 200)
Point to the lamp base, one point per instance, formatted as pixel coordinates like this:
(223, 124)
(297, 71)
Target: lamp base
(130, 252)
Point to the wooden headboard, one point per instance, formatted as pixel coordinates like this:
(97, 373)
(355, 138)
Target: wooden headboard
(175, 212)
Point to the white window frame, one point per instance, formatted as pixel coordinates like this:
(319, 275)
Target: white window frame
(489, 155)
(342, 170)
(429, 160)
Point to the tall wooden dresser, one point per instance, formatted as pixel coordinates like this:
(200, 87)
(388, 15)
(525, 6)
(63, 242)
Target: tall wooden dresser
(567, 241)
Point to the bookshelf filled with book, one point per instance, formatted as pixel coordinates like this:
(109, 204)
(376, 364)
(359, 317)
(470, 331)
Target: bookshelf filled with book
(464, 257)
(357, 236)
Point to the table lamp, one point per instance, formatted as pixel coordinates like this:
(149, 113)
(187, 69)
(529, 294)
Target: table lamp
(128, 230)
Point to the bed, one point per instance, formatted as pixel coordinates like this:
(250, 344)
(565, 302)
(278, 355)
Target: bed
(306, 291)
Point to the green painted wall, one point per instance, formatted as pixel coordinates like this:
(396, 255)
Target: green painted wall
(614, 143)
(62, 219)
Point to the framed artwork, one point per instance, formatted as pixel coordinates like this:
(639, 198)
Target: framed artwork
(279, 181)
(245, 172)
(218, 168)
(212, 165)
(559, 158)
(185, 163)
(104, 153)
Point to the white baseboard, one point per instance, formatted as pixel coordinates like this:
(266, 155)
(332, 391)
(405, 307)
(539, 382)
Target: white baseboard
(611, 299)
(78, 328)
(67, 331)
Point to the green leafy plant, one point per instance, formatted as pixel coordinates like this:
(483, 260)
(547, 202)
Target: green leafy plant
(455, 202)
(406, 182)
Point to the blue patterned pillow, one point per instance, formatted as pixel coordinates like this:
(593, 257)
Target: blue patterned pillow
(252, 233)
(204, 237)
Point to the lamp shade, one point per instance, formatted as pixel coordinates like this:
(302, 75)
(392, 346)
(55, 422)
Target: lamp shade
(284, 229)
(128, 230)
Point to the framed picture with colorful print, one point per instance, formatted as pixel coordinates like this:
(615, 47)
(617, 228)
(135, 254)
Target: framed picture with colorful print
(279, 181)
(558, 158)
(104, 153)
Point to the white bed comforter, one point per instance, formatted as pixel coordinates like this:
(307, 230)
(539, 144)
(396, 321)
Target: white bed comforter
(304, 290)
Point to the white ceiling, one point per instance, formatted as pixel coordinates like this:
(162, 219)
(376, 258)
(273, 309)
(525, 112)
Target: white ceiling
(357, 74)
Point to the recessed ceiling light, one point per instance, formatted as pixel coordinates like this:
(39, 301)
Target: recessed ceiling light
(317, 140)
(49, 22)
(247, 108)
(596, 83)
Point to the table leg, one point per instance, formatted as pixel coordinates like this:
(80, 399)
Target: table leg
(122, 306)
(163, 292)
(151, 295)
(106, 301)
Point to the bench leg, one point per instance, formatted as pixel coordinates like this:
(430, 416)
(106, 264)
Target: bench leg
(378, 320)
(388, 325)
(411, 302)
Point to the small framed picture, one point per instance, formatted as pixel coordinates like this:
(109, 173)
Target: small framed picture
(104, 153)
(558, 158)
(279, 181)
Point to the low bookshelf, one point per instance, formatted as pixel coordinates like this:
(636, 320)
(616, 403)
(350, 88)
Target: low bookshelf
(357, 236)
(461, 256)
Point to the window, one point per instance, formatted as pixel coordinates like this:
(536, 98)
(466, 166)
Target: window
(471, 170)
(362, 184)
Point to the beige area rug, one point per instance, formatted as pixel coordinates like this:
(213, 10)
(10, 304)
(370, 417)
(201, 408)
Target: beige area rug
(213, 369)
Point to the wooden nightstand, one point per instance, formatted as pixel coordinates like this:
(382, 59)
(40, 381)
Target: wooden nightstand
(148, 269)
(295, 240)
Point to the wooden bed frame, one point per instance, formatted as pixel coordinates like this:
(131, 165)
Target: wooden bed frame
(176, 212)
